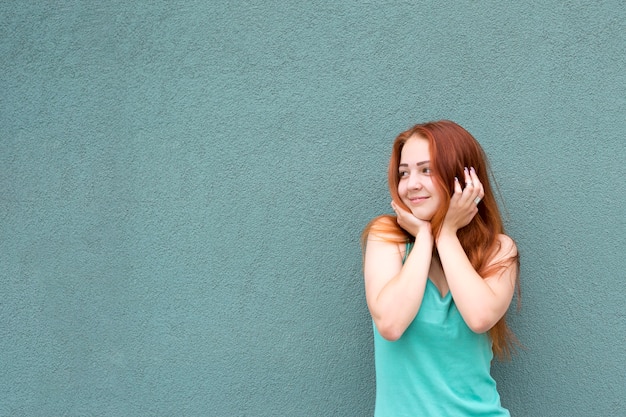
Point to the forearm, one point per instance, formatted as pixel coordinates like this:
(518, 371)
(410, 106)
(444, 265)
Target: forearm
(398, 302)
(478, 304)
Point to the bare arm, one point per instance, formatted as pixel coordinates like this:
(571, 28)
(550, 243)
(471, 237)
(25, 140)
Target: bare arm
(481, 300)
(394, 291)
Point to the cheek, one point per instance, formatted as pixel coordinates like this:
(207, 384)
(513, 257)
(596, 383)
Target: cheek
(401, 188)
(433, 188)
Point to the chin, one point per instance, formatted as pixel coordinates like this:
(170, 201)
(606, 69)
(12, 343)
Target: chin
(422, 216)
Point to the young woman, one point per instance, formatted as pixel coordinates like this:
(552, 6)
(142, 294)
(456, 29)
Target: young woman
(439, 278)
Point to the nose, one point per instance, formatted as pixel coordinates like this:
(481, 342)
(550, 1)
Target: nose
(414, 182)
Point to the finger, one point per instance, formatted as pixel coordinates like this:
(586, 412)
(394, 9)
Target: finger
(457, 186)
(468, 178)
(478, 186)
(397, 212)
(479, 191)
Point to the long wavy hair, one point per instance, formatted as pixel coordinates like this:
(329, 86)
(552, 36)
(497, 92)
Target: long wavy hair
(452, 148)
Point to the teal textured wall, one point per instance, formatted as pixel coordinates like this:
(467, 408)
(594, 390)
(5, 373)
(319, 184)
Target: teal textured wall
(183, 185)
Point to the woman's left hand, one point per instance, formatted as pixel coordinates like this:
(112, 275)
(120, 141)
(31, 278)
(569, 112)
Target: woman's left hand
(464, 202)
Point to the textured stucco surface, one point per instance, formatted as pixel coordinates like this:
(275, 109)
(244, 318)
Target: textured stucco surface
(183, 185)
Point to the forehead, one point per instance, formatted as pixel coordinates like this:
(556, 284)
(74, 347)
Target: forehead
(415, 149)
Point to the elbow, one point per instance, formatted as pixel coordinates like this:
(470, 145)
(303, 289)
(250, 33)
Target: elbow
(389, 331)
(479, 324)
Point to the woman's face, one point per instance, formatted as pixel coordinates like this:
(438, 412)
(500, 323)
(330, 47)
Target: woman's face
(416, 188)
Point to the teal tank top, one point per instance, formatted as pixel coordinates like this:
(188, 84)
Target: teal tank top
(438, 368)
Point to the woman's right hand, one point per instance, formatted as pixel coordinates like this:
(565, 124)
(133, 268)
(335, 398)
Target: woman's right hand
(409, 222)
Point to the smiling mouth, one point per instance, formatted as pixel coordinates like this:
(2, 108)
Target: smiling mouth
(417, 200)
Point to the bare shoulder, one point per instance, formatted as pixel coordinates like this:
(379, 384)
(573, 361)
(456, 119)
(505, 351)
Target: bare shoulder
(507, 247)
(384, 239)
(504, 263)
(384, 228)
(504, 259)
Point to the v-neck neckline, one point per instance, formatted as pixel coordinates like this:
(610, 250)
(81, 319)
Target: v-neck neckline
(436, 288)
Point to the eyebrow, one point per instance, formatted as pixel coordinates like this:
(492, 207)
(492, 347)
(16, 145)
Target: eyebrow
(418, 164)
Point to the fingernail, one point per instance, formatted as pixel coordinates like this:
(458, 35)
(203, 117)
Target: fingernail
(473, 170)
(456, 179)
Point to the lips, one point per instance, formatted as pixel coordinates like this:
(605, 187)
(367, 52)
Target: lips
(417, 199)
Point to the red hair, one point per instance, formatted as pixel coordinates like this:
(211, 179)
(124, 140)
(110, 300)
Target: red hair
(452, 148)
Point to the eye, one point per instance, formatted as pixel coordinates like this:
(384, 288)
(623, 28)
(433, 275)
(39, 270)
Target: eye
(426, 170)
(403, 174)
